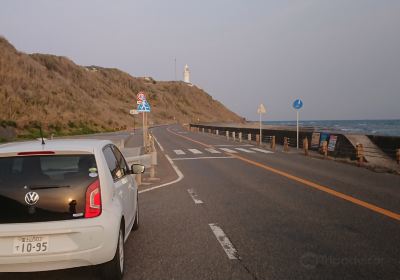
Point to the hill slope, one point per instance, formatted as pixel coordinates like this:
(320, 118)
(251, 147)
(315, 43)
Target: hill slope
(67, 99)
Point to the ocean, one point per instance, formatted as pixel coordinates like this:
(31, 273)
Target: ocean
(370, 127)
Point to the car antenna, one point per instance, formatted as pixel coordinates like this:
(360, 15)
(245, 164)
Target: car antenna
(41, 135)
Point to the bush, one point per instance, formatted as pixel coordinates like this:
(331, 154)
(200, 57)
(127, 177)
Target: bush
(8, 123)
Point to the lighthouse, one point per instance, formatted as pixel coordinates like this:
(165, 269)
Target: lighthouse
(186, 74)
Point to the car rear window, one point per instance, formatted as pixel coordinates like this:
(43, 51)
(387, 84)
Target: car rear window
(58, 181)
(53, 169)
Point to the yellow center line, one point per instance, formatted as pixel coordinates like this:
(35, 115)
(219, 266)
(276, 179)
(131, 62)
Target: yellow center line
(308, 183)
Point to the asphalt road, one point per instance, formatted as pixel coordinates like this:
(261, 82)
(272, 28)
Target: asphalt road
(244, 213)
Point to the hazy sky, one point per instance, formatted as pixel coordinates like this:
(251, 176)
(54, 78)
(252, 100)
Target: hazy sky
(342, 57)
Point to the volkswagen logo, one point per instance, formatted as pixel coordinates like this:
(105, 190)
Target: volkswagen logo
(31, 198)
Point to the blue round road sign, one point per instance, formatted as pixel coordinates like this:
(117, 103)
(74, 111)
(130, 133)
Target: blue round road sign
(297, 104)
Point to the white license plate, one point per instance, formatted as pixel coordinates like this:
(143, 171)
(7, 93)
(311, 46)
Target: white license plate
(31, 244)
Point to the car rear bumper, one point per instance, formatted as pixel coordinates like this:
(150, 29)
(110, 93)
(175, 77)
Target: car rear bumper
(72, 243)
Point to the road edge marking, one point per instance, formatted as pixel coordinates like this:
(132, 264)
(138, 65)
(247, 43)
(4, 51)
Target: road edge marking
(176, 169)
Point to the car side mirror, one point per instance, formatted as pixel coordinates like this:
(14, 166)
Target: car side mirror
(137, 168)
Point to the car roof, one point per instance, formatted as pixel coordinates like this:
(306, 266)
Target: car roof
(62, 145)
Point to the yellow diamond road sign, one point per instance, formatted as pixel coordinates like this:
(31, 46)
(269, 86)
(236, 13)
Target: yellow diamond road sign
(261, 109)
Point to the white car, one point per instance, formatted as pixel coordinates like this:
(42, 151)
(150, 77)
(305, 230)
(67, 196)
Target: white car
(67, 203)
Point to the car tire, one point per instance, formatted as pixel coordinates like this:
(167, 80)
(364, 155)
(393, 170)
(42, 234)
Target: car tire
(115, 268)
(136, 223)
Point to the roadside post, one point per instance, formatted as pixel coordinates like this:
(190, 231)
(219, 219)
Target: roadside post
(305, 146)
(133, 113)
(249, 137)
(285, 144)
(297, 104)
(360, 154)
(325, 148)
(240, 137)
(273, 143)
(227, 135)
(261, 110)
(234, 136)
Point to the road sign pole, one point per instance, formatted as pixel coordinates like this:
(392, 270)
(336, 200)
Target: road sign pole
(260, 130)
(144, 135)
(297, 125)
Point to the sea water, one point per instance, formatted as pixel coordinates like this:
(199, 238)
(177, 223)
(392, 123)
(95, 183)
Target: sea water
(369, 127)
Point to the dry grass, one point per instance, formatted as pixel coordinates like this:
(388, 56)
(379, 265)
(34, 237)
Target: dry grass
(65, 98)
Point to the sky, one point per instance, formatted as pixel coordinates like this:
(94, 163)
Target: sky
(341, 57)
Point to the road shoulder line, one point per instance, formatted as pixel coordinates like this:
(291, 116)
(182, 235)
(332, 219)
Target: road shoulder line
(176, 169)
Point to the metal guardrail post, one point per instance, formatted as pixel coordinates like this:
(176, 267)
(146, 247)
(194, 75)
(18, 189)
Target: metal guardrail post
(305, 146)
(285, 144)
(273, 143)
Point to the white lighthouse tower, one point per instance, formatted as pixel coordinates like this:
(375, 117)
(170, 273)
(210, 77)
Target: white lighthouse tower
(186, 74)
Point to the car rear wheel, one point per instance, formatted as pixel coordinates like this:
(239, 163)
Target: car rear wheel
(114, 269)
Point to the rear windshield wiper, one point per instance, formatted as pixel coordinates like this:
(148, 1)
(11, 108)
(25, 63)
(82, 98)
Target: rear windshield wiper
(43, 187)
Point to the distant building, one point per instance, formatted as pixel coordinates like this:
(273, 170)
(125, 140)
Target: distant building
(186, 74)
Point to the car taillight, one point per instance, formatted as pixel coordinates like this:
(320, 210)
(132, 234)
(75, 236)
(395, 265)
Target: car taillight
(93, 200)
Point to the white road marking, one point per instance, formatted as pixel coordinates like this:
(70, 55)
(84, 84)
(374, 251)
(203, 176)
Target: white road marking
(194, 196)
(262, 151)
(213, 151)
(189, 158)
(244, 145)
(195, 151)
(229, 150)
(244, 150)
(178, 172)
(226, 244)
(158, 143)
(179, 152)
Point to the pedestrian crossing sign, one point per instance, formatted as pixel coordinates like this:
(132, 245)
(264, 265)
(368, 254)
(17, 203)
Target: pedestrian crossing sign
(144, 107)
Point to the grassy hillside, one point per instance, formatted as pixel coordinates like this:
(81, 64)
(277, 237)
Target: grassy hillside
(65, 98)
